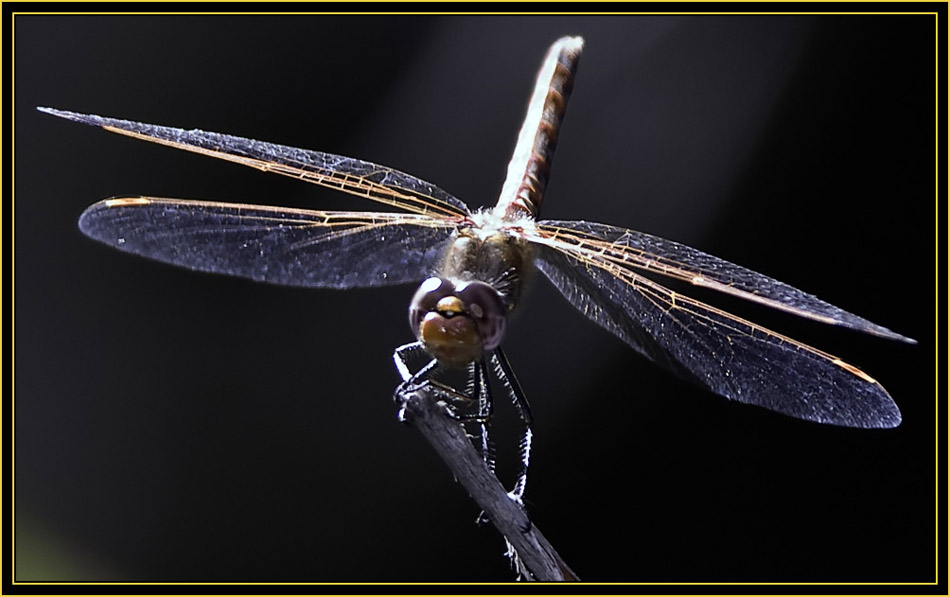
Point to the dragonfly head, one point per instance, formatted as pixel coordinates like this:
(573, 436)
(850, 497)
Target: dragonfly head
(456, 322)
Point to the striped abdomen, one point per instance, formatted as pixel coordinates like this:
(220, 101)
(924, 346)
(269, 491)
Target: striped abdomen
(530, 164)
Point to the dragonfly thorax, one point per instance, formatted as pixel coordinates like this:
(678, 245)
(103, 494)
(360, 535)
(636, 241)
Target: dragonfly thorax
(492, 252)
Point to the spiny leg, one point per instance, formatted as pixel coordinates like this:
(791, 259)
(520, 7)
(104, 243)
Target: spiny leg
(401, 354)
(459, 403)
(481, 390)
(507, 376)
(410, 381)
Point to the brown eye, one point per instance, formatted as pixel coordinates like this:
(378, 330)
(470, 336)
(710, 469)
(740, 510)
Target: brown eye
(426, 300)
(485, 307)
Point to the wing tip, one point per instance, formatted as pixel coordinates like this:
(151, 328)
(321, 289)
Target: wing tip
(869, 327)
(893, 422)
(889, 419)
(58, 112)
(900, 338)
(74, 116)
(885, 415)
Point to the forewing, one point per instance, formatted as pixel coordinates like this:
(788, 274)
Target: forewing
(349, 175)
(714, 349)
(625, 249)
(291, 247)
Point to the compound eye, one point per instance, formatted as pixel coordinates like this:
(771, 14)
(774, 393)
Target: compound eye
(484, 305)
(427, 300)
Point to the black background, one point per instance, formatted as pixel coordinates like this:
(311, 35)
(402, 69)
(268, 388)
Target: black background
(174, 426)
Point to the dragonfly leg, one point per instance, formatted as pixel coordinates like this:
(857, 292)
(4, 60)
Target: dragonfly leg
(459, 403)
(481, 390)
(401, 354)
(507, 376)
(411, 382)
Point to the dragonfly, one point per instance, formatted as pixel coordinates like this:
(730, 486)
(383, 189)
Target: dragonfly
(472, 263)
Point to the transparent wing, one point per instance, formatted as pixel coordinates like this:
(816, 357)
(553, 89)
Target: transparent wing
(292, 247)
(356, 177)
(622, 249)
(712, 348)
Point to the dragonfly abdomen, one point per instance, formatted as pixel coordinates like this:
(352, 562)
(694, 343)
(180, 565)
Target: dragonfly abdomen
(530, 165)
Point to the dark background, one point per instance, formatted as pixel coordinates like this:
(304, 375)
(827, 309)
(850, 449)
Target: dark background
(174, 426)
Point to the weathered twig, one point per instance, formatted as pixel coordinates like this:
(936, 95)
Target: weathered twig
(534, 556)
